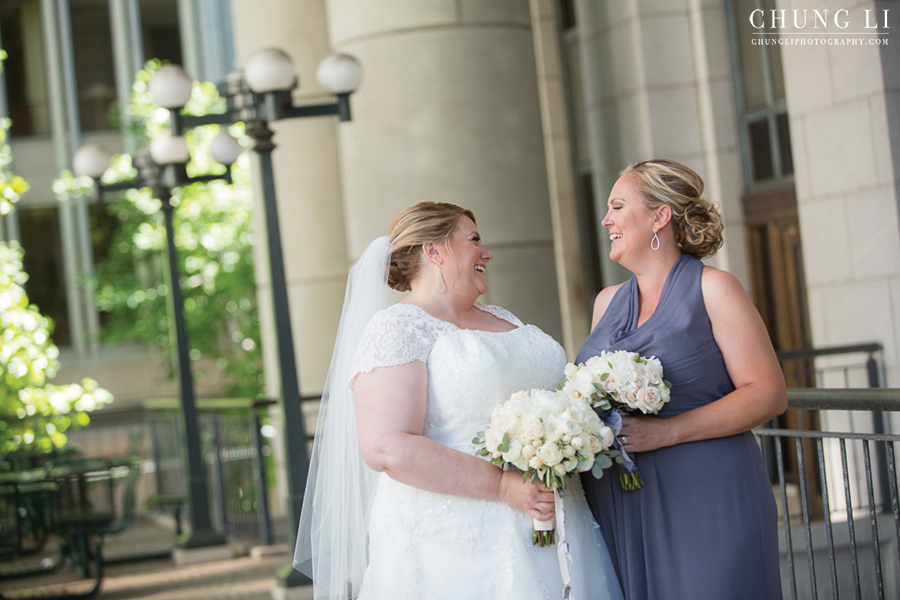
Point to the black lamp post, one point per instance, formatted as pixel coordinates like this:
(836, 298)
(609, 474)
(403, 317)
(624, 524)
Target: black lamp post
(258, 96)
(162, 168)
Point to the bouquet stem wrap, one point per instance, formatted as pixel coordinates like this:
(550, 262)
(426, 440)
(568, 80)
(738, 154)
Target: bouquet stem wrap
(544, 532)
(631, 479)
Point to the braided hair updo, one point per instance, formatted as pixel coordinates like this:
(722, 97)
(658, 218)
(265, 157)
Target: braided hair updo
(696, 221)
(421, 223)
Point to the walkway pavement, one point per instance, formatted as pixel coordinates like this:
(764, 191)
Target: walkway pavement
(244, 578)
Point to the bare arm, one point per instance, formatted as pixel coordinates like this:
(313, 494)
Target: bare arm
(760, 392)
(601, 303)
(390, 407)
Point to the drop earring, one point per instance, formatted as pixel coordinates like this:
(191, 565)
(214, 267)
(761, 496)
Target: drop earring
(656, 240)
(439, 286)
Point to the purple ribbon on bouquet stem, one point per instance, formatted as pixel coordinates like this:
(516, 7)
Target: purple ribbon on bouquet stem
(631, 479)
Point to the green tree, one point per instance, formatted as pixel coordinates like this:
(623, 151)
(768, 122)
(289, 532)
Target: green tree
(33, 412)
(214, 236)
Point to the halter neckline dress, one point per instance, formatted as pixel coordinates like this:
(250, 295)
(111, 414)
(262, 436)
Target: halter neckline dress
(704, 526)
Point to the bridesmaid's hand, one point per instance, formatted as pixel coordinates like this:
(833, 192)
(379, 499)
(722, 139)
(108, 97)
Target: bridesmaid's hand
(642, 433)
(535, 499)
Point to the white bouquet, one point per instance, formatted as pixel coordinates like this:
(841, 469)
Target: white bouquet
(548, 436)
(617, 383)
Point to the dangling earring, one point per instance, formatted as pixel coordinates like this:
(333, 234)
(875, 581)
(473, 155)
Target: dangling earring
(656, 240)
(439, 286)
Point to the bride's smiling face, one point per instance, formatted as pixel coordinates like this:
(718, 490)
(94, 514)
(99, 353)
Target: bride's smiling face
(465, 259)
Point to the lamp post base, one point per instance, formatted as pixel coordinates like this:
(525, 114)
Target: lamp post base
(201, 554)
(291, 582)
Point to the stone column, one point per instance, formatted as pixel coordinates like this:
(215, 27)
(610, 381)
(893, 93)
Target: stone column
(308, 189)
(448, 111)
(844, 107)
(658, 85)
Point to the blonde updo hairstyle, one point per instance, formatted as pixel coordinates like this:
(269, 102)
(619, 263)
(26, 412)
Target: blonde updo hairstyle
(696, 222)
(421, 223)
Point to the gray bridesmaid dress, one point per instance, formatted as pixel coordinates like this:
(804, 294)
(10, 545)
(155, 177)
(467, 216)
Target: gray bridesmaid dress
(704, 526)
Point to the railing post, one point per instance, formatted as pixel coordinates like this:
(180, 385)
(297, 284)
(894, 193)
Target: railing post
(881, 463)
(219, 483)
(262, 492)
(154, 440)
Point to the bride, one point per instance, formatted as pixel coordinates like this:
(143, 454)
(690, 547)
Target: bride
(397, 504)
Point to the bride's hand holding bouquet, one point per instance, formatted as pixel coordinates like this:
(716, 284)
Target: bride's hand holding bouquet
(547, 436)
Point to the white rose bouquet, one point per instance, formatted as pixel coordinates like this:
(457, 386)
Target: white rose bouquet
(615, 384)
(548, 436)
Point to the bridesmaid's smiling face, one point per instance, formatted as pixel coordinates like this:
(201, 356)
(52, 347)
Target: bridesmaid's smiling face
(629, 221)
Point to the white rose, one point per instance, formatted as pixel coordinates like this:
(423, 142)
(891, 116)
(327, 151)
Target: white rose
(535, 463)
(580, 387)
(593, 445)
(570, 464)
(571, 426)
(492, 439)
(521, 464)
(514, 452)
(527, 452)
(647, 400)
(568, 451)
(549, 454)
(532, 430)
(578, 442)
(554, 429)
(607, 436)
(570, 370)
(560, 469)
(507, 422)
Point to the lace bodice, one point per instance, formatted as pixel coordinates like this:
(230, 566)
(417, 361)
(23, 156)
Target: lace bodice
(469, 371)
(425, 545)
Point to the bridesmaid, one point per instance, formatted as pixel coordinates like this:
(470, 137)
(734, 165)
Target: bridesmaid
(704, 526)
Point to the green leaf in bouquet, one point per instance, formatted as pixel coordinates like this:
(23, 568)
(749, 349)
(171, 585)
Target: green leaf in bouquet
(603, 460)
(561, 383)
(668, 384)
(637, 358)
(605, 376)
(603, 405)
(620, 460)
(504, 446)
(597, 470)
(482, 452)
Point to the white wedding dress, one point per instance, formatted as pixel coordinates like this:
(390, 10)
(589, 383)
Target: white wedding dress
(424, 545)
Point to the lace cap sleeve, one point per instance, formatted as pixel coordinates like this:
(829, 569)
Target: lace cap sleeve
(394, 336)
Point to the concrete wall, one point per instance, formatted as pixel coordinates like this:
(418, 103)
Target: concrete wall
(658, 85)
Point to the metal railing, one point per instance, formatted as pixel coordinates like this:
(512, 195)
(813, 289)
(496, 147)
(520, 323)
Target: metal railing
(846, 506)
(235, 454)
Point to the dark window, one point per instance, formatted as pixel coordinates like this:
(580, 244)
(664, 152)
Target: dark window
(95, 74)
(46, 286)
(567, 14)
(23, 69)
(784, 144)
(760, 150)
(162, 38)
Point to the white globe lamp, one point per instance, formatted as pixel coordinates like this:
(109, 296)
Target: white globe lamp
(91, 160)
(339, 73)
(269, 70)
(170, 87)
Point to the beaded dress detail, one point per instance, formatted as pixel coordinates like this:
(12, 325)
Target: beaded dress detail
(424, 545)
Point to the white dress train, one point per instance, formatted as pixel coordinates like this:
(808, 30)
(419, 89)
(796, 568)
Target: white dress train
(428, 546)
